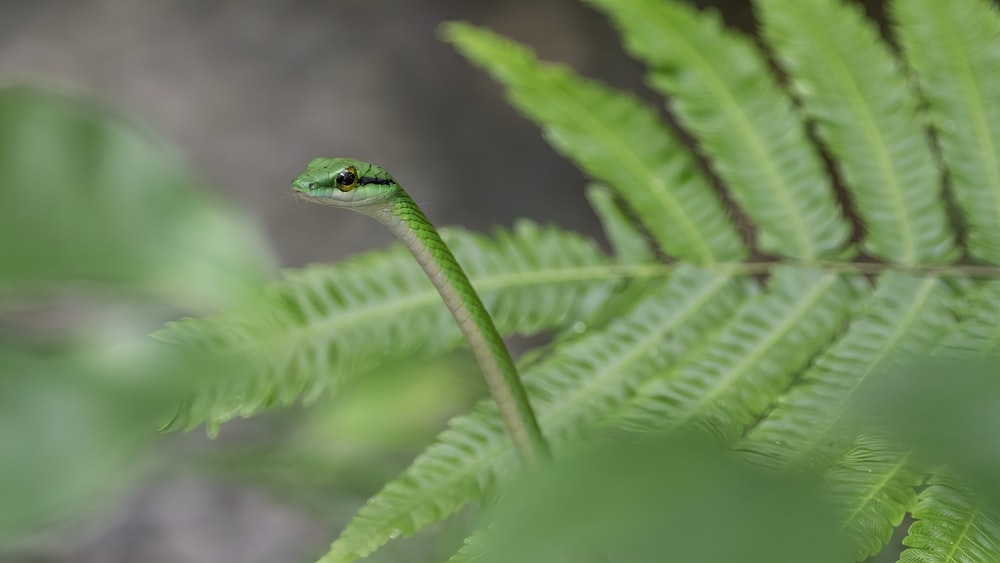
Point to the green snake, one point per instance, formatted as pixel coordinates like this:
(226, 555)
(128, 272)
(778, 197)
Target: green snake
(370, 190)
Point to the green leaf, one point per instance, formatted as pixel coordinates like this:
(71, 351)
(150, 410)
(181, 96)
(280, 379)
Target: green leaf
(305, 338)
(866, 114)
(810, 424)
(616, 139)
(571, 390)
(75, 424)
(943, 409)
(87, 197)
(953, 526)
(629, 243)
(101, 231)
(723, 92)
(954, 49)
(649, 499)
(873, 485)
(752, 359)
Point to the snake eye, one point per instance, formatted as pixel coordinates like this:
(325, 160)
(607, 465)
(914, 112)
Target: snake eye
(347, 179)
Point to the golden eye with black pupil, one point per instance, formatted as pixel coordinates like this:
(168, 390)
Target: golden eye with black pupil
(347, 179)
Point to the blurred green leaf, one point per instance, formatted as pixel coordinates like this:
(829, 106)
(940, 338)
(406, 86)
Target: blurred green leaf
(656, 499)
(358, 438)
(946, 411)
(73, 425)
(94, 214)
(85, 196)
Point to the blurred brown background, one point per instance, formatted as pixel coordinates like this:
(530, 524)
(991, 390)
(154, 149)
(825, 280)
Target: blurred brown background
(248, 91)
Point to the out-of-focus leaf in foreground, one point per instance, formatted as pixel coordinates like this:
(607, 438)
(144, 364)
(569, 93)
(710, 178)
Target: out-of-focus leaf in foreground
(948, 412)
(74, 424)
(85, 196)
(656, 499)
(101, 232)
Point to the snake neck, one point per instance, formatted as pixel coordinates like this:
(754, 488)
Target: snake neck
(403, 217)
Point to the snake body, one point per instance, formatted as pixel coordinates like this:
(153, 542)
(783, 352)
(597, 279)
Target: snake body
(369, 189)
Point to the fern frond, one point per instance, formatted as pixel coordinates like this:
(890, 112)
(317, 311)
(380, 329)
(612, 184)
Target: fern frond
(954, 49)
(866, 114)
(810, 424)
(747, 365)
(571, 390)
(873, 485)
(953, 526)
(628, 243)
(723, 92)
(616, 139)
(326, 323)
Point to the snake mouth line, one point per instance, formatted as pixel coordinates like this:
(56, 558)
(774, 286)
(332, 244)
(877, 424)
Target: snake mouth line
(332, 202)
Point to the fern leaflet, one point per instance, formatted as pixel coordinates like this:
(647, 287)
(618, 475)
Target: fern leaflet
(954, 48)
(627, 241)
(953, 526)
(979, 332)
(873, 485)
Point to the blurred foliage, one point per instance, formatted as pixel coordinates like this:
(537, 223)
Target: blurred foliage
(102, 235)
(947, 411)
(74, 421)
(354, 440)
(645, 498)
(88, 197)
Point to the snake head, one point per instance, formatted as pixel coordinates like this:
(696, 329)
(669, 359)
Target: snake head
(344, 182)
